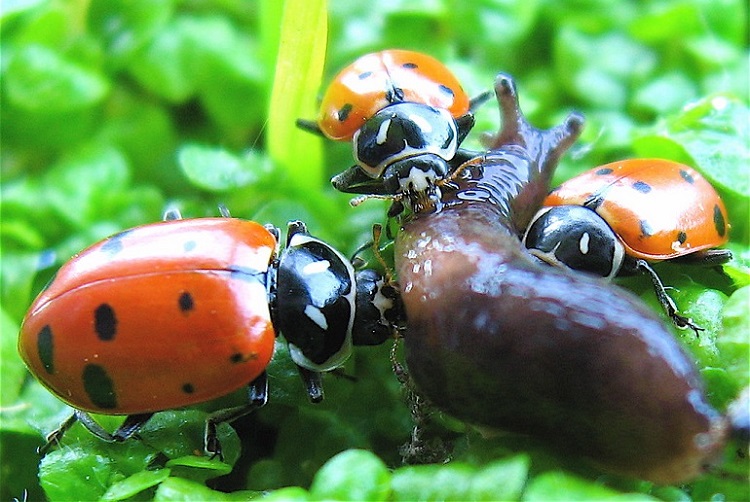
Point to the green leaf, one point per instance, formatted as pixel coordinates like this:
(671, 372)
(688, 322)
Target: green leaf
(38, 79)
(734, 340)
(135, 484)
(501, 480)
(558, 485)
(218, 170)
(352, 475)
(433, 482)
(163, 65)
(14, 371)
(299, 67)
(124, 26)
(178, 489)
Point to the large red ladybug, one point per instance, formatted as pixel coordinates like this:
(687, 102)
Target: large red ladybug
(180, 312)
(616, 218)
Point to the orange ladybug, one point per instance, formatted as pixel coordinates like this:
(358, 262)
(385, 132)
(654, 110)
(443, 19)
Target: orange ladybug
(180, 312)
(619, 217)
(379, 79)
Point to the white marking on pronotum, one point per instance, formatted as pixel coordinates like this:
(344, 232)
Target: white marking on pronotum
(422, 122)
(316, 316)
(583, 244)
(383, 132)
(316, 267)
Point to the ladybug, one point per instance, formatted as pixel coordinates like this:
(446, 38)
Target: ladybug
(379, 79)
(500, 340)
(406, 115)
(183, 311)
(618, 218)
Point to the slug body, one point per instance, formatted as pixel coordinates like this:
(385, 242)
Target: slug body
(499, 340)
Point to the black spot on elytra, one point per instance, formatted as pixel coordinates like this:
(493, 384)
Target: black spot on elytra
(642, 186)
(410, 66)
(719, 223)
(186, 302)
(687, 176)
(646, 229)
(446, 90)
(681, 237)
(114, 245)
(364, 75)
(45, 347)
(99, 387)
(236, 358)
(188, 388)
(603, 171)
(105, 322)
(344, 112)
(189, 246)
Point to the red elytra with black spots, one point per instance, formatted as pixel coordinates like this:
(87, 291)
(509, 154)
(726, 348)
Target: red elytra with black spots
(161, 316)
(379, 79)
(658, 208)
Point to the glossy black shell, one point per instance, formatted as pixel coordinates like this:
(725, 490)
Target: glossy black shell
(499, 340)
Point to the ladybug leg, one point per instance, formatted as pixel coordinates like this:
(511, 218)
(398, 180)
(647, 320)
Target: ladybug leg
(53, 438)
(130, 426)
(257, 398)
(706, 258)
(313, 384)
(666, 302)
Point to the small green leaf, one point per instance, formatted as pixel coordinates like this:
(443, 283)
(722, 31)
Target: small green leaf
(218, 170)
(38, 79)
(135, 484)
(734, 340)
(352, 475)
(433, 482)
(557, 485)
(178, 489)
(501, 480)
(14, 371)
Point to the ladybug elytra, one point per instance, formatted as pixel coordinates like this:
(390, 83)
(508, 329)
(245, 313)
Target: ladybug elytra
(183, 311)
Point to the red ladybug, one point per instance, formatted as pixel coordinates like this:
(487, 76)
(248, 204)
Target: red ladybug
(379, 79)
(618, 217)
(180, 312)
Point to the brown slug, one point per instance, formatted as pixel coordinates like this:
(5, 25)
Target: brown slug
(500, 340)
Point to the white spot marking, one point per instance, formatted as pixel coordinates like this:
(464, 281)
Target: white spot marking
(316, 315)
(583, 244)
(423, 123)
(383, 132)
(316, 267)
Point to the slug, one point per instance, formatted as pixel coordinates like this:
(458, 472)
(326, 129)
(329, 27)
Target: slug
(497, 339)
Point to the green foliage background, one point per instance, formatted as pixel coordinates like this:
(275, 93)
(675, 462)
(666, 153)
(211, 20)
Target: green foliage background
(113, 110)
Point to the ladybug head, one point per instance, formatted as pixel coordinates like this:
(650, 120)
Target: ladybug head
(575, 237)
(404, 130)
